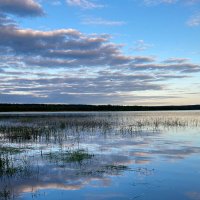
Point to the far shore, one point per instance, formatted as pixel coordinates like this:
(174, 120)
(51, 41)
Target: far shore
(87, 108)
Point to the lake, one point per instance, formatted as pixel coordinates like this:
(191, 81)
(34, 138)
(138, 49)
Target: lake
(100, 155)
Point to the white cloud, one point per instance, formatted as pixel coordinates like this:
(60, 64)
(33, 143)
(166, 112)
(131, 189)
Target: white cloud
(101, 21)
(176, 60)
(86, 4)
(56, 3)
(194, 20)
(156, 2)
(141, 45)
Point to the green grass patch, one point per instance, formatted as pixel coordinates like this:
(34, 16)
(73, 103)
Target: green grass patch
(116, 167)
(68, 156)
(13, 150)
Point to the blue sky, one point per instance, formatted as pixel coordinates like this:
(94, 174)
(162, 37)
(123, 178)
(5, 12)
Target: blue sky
(130, 52)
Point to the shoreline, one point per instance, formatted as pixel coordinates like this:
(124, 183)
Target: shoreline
(61, 108)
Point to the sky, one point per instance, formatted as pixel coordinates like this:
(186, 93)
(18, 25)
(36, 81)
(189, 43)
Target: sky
(124, 52)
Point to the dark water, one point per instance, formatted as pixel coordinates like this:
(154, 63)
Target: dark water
(114, 155)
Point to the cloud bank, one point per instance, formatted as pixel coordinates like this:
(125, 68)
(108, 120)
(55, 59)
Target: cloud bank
(21, 7)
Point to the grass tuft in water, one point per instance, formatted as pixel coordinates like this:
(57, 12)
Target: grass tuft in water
(11, 150)
(69, 156)
(5, 194)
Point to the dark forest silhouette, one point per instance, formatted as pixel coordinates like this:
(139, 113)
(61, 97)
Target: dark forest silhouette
(78, 107)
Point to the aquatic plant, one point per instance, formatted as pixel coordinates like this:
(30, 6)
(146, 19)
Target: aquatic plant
(68, 156)
(5, 194)
(11, 150)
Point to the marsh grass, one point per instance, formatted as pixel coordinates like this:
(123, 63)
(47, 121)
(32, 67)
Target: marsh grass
(11, 150)
(5, 194)
(117, 167)
(13, 167)
(74, 128)
(156, 123)
(68, 156)
(7, 167)
(31, 128)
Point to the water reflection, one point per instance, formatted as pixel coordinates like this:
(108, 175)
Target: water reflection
(54, 156)
(194, 195)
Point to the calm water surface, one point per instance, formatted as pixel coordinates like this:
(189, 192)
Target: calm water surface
(107, 155)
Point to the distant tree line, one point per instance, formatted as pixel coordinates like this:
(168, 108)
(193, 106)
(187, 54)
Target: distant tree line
(76, 107)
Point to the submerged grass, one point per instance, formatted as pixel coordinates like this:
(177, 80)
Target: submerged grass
(11, 150)
(79, 156)
(116, 167)
(68, 156)
(5, 194)
(102, 170)
(7, 167)
(11, 166)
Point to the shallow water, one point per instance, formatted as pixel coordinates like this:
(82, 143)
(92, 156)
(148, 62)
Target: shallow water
(107, 155)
